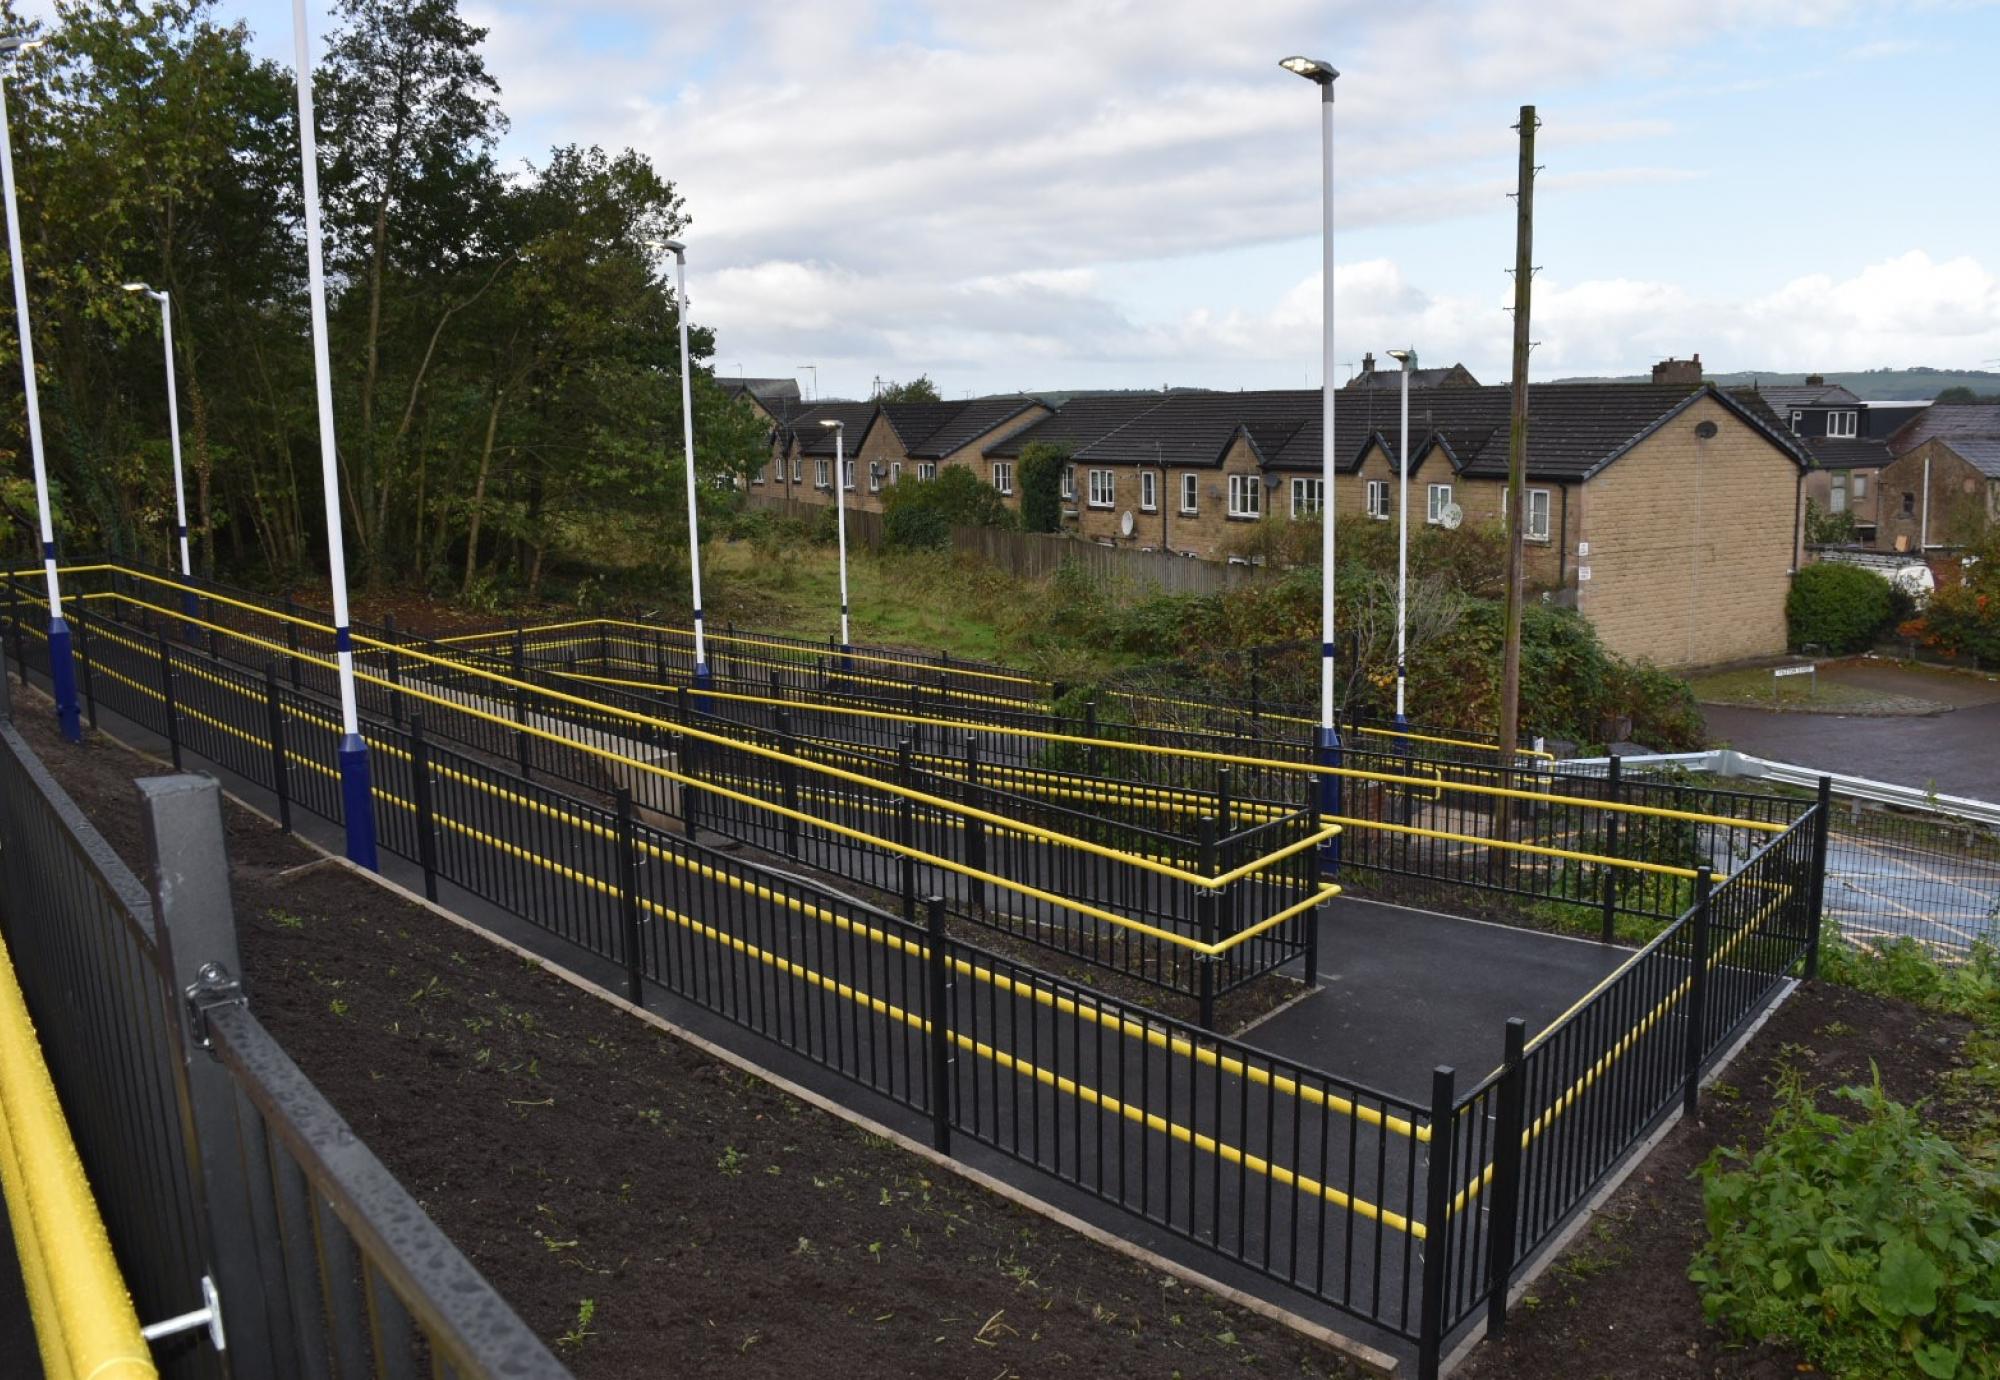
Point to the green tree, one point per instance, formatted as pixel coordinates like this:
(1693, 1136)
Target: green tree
(918, 514)
(918, 389)
(1041, 465)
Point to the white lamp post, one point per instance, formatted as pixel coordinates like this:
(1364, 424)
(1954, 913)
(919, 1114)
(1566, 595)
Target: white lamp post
(1408, 359)
(1322, 75)
(62, 660)
(840, 529)
(357, 799)
(174, 433)
(702, 679)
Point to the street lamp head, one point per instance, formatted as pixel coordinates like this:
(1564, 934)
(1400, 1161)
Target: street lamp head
(1312, 69)
(1406, 358)
(19, 44)
(673, 247)
(833, 422)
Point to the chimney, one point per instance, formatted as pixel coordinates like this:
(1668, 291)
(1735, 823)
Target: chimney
(1815, 380)
(1367, 364)
(1683, 371)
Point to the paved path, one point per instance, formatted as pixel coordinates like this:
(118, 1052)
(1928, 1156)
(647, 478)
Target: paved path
(1956, 753)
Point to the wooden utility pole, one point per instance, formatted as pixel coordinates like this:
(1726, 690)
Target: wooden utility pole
(1517, 443)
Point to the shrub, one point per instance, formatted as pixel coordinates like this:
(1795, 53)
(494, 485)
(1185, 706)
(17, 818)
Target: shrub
(1872, 1246)
(1839, 607)
(918, 514)
(1041, 469)
(1828, 529)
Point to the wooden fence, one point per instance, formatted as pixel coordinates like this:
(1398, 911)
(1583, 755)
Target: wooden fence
(1036, 555)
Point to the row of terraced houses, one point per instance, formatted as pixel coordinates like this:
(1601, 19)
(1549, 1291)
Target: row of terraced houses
(1669, 513)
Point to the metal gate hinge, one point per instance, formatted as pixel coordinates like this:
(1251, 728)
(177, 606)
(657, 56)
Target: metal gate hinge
(212, 988)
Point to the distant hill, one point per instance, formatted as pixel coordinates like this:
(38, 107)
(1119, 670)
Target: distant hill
(1872, 385)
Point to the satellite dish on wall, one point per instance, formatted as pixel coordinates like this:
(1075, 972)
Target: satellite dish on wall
(1451, 517)
(1125, 523)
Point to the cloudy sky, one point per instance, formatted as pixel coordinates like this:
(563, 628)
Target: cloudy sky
(1091, 193)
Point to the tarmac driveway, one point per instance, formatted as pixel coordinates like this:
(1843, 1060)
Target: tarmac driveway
(1953, 753)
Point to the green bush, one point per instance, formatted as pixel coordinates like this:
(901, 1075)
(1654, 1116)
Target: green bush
(1873, 1246)
(918, 514)
(1040, 478)
(1839, 607)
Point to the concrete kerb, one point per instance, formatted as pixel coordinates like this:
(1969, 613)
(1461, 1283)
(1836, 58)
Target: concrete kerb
(1637, 1156)
(1374, 1361)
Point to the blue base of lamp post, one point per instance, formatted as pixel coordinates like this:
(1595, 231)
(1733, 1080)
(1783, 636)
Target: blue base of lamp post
(847, 657)
(1328, 748)
(190, 610)
(704, 679)
(1402, 731)
(62, 680)
(357, 801)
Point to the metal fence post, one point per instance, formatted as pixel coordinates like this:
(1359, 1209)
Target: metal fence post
(690, 797)
(939, 1007)
(788, 781)
(975, 828)
(520, 664)
(420, 786)
(14, 634)
(188, 877)
(1697, 1005)
(1505, 1202)
(1204, 906)
(274, 723)
(167, 699)
(628, 899)
(906, 829)
(394, 666)
(1816, 921)
(1612, 778)
(80, 622)
(292, 642)
(1437, 1222)
(1090, 731)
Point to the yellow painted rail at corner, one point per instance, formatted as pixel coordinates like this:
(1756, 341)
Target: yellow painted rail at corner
(85, 1325)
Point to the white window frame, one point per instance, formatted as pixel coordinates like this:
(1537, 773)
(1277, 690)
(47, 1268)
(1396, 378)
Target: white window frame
(895, 473)
(1003, 476)
(847, 475)
(1437, 498)
(1378, 499)
(1798, 420)
(1149, 491)
(1848, 423)
(757, 475)
(1190, 494)
(1538, 531)
(1860, 487)
(1246, 496)
(798, 470)
(927, 469)
(874, 477)
(1069, 483)
(822, 474)
(1303, 486)
(1103, 489)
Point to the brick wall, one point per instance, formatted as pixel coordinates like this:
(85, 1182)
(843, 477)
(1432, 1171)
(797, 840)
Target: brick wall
(1962, 500)
(1208, 532)
(1691, 543)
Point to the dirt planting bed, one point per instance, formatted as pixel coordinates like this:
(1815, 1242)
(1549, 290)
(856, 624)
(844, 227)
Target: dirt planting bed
(646, 1207)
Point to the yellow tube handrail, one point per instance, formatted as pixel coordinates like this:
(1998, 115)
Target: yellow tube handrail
(85, 1325)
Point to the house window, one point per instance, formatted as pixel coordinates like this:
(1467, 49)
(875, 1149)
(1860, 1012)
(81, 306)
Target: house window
(895, 472)
(1307, 496)
(1149, 491)
(758, 476)
(1003, 476)
(1103, 491)
(1798, 420)
(1909, 504)
(1246, 495)
(874, 478)
(798, 470)
(1860, 487)
(1069, 483)
(1538, 516)
(1440, 499)
(1378, 499)
(1838, 502)
(1840, 425)
(1190, 494)
(847, 475)
(819, 475)
(927, 469)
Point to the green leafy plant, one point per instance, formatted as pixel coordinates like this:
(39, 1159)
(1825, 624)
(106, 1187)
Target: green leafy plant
(1841, 608)
(580, 1332)
(918, 514)
(1871, 1245)
(1041, 468)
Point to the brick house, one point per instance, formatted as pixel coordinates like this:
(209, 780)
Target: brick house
(1078, 423)
(1943, 487)
(1848, 438)
(885, 442)
(1668, 514)
(1391, 377)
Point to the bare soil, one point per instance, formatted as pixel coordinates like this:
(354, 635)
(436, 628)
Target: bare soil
(647, 1208)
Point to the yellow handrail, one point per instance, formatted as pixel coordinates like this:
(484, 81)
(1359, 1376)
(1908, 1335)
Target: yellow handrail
(85, 1326)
